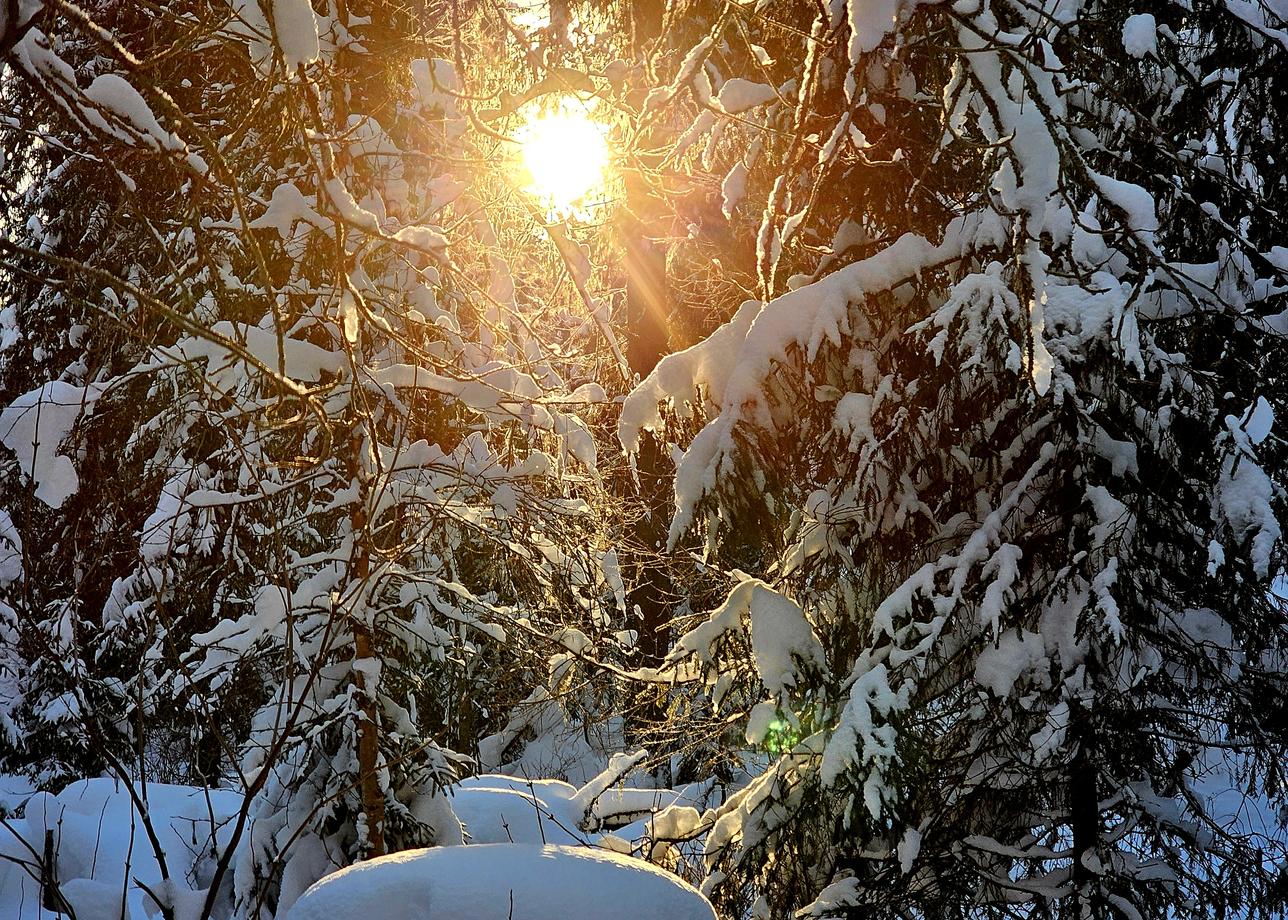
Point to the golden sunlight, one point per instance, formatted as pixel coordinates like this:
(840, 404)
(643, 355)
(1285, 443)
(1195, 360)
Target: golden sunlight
(565, 155)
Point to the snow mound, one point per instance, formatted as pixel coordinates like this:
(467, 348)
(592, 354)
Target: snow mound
(517, 815)
(99, 839)
(502, 881)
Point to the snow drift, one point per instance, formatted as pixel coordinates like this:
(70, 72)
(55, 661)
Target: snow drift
(502, 881)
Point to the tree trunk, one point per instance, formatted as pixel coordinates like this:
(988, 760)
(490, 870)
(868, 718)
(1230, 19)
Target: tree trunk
(1084, 809)
(648, 307)
(50, 898)
(373, 799)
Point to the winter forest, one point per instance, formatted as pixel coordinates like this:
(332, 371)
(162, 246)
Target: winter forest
(659, 460)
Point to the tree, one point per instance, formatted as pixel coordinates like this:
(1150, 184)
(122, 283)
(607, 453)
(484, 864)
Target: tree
(351, 508)
(997, 443)
(305, 488)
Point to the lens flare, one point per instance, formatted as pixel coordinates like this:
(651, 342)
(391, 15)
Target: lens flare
(565, 154)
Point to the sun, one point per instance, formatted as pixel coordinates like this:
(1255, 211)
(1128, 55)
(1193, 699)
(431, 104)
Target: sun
(565, 154)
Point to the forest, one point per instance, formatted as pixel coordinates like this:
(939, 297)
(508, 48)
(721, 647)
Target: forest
(656, 460)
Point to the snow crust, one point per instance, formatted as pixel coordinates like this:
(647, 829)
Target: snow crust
(502, 881)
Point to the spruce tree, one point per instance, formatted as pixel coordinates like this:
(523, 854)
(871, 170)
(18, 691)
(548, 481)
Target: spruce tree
(992, 462)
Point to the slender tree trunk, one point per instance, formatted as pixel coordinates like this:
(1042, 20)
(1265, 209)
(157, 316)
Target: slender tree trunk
(648, 307)
(1084, 810)
(373, 799)
(50, 899)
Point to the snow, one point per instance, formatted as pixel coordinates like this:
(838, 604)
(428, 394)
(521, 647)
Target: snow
(1000, 666)
(1136, 204)
(226, 370)
(545, 789)
(1254, 14)
(1228, 799)
(1003, 566)
(166, 527)
(296, 29)
(870, 21)
(691, 64)
(286, 206)
(97, 829)
(489, 388)
(34, 426)
(516, 815)
(23, 12)
(861, 739)
(737, 360)
(114, 94)
(525, 833)
(436, 84)
(834, 898)
(676, 378)
(541, 740)
(10, 331)
(502, 881)
(738, 95)
(10, 550)
(427, 239)
(731, 381)
(781, 636)
(14, 791)
(652, 808)
(733, 188)
(1255, 424)
(1261, 420)
(1140, 35)
(1244, 496)
(1120, 454)
(619, 766)
(908, 849)
(249, 24)
(348, 208)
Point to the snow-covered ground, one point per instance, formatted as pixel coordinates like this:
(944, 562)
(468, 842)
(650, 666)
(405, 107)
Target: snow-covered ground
(99, 840)
(558, 847)
(503, 881)
(553, 850)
